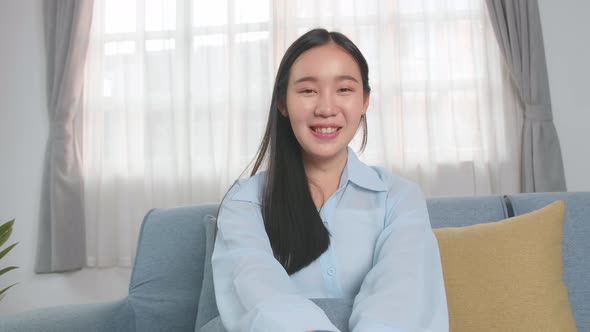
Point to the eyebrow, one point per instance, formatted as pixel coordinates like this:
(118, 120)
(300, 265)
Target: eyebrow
(315, 79)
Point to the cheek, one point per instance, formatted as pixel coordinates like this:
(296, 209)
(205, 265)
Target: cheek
(299, 108)
(354, 110)
(297, 115)
(355, 104)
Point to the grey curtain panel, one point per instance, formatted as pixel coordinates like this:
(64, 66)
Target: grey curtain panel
(61, 245)
(517, 26)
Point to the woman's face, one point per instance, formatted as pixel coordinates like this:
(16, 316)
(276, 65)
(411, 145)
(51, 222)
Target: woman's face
(325, 101)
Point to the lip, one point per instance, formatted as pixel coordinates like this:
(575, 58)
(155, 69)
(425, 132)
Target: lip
(325, 136)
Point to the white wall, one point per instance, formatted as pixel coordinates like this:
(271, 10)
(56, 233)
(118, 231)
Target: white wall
(23, 133)
(565, 31)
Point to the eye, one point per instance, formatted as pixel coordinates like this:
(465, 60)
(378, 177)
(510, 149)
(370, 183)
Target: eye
(345, 90)
(307, 91)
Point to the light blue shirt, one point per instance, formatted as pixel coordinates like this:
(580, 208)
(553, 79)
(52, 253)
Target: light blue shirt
(383, 254)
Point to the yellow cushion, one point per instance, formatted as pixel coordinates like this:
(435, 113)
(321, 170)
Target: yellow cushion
(507, 275)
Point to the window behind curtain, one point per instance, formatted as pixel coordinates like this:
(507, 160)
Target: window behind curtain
(177, 95)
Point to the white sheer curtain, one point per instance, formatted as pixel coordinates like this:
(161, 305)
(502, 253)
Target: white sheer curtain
(177, 94)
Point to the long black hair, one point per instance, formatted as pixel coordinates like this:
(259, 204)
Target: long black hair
(292, 222)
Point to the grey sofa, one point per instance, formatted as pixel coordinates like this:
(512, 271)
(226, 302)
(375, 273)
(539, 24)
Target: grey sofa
(167, 278)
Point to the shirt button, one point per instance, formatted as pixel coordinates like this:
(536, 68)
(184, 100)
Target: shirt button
(331, 271)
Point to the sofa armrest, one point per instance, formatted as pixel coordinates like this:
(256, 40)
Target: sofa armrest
(100, 317)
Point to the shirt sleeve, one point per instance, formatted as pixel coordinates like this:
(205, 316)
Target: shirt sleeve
(252, 289)
(404, 290)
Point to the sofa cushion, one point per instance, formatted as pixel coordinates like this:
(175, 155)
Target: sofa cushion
(507, 275)
(167, 275)
(207, 304)
(213, 325)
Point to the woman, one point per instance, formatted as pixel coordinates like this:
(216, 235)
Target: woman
(318, 223)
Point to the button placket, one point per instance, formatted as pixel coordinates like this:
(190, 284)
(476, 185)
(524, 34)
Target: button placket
(327, 260)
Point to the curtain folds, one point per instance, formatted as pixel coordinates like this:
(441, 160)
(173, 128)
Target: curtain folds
(61, 245)
(518, 30)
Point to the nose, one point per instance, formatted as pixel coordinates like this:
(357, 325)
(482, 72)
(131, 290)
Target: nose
(326, 105)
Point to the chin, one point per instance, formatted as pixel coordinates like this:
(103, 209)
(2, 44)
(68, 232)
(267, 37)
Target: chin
(325, 153)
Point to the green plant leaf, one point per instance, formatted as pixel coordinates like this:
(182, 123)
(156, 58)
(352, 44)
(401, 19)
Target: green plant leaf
(7, 269)
(5, 289)
(5, 251)
(6, 225)
(5, 231)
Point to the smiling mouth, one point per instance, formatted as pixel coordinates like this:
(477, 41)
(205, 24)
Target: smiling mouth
(323, 130)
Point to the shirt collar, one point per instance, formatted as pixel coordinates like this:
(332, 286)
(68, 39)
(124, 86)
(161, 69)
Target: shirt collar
(360, 174)
(354, 171)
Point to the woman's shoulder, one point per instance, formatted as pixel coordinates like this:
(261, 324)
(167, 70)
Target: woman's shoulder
(394, 182)
(248, 189)
(375, 178)
(403, 194)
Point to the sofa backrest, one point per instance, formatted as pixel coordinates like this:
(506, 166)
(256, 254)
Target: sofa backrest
(168, 273)
(464, 211)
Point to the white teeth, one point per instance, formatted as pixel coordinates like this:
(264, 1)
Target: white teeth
(325, 130)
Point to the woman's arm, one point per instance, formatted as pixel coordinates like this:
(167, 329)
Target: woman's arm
(252, 289)
(404, 290)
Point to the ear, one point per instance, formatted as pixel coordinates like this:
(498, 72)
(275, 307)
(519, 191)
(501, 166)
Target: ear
(366, 103)
(282, 109)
